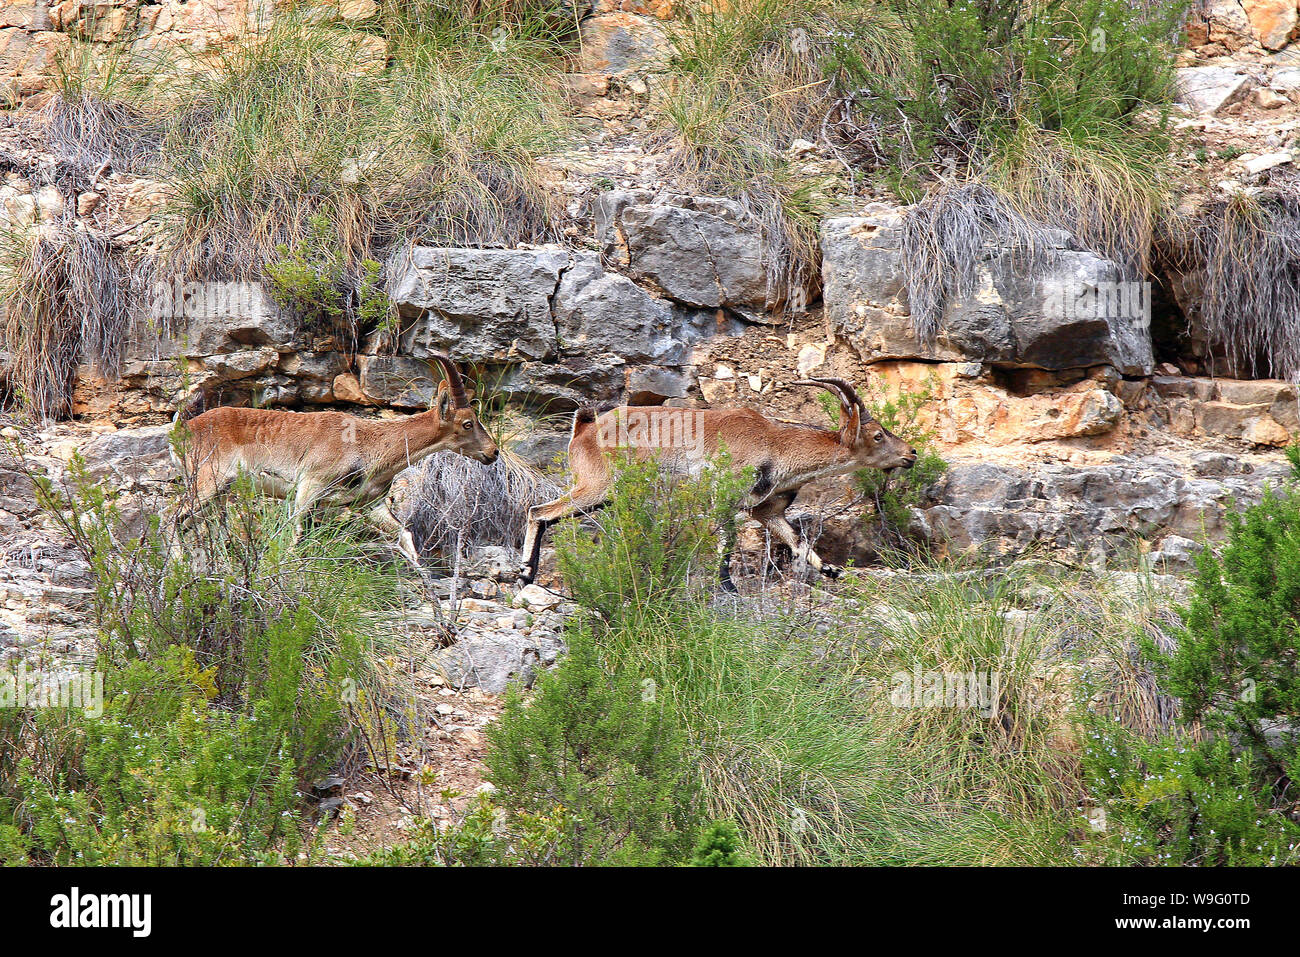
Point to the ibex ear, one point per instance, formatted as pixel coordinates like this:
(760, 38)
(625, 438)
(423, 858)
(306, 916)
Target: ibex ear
(444, 399)
(852, 423)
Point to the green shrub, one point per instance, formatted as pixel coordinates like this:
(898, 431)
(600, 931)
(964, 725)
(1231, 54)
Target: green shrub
(161, 778)
(719, 846)
(1176, 801)
(896, 493)
(1236, 666)
(307, 280)
(981, 72)
(661, 539)
(596, 744)
(1222, 792)
(236, 670)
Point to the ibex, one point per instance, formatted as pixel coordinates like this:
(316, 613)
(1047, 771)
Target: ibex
(785, 457)
(330, 458)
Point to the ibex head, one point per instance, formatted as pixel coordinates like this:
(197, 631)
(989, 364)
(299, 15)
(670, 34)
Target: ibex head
(869, 443)
(466, 434)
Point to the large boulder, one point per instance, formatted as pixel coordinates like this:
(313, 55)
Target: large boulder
(591, 334)
(622, 43)
(1074, 313)
(1272, 21)
(479, 304)
(1208, 89)
(493, 660)
(697, 251)
(598, 311)
(1007, 509)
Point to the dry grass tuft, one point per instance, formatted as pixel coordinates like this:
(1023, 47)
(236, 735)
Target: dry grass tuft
(456, 502)
(944, 240)
(1249, 251)
(65, 297)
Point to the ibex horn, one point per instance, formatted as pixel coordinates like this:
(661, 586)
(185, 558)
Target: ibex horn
(842, 390)
(459, 397)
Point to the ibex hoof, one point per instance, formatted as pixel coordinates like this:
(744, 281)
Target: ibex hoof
(832, 571)
(524, 577)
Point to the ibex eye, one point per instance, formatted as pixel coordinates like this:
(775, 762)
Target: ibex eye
(880, 437)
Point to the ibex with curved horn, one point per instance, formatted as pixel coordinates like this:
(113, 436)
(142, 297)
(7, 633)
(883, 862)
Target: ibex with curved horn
(784, 456)
(331, 458)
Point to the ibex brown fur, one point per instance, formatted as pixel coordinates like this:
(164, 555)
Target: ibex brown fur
(784, 457)
(330, 458)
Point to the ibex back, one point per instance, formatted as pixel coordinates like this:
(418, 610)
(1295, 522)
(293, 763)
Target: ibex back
(330, 458)
(784, 457)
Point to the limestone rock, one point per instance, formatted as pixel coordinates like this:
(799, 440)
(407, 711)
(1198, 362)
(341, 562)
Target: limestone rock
(698, 251)
(480, 304)
(1271, 20)
(1066, 317)
(598, 311)
(1219, 22)
(205, 319)
(1208, 89)
(398, 381)
(493, 660)
(129, 453)
(1008, 509)
(621, 43)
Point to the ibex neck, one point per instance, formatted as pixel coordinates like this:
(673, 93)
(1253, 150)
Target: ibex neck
(423, 429)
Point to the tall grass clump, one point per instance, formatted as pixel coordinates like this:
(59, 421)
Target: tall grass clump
(1058, 111)
(748, 79)
(65, 294)
(429, 134)
(785, 720)
(235, 671)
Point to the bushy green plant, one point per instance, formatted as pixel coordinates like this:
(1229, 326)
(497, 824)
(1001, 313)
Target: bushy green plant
(981, 71)
(161, 778)
(1177, 801)
(896, 493)
(1236, 666)
(1223, 792)
(662, 539)
(719, 846)
(307, 279)
(236, 669)
(600, 745)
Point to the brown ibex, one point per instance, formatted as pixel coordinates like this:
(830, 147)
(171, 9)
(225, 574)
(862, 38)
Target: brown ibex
(330, 458)
(784, 457)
